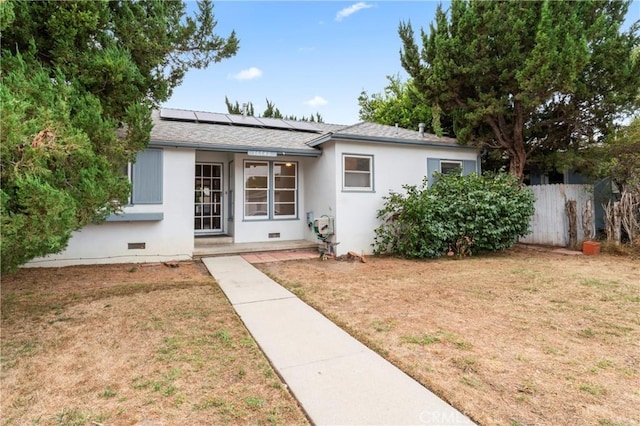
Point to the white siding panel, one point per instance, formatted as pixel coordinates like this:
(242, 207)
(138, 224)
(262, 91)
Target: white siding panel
(322, 180)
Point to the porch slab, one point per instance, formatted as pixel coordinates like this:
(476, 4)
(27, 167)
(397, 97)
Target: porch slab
(202, 249)
(279, 256)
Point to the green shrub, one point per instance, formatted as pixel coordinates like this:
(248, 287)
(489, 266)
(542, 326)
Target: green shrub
(458, 215)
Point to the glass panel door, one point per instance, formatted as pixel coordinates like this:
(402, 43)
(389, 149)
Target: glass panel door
(208, 198)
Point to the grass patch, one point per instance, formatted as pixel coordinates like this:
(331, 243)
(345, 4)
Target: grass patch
(587, 333)
(592, 282)
(76, 417)
(473, 382)
(466, 364)
(593, 389)
(167, 339)
(108, 393)
(439, 336)
(604, 364)
(425, 339)
(254, 402)
(384, 326)
(209, 403)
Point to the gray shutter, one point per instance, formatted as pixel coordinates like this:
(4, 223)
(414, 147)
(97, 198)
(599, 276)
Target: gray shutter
(468, 167)
(147, 177)
(433, 165)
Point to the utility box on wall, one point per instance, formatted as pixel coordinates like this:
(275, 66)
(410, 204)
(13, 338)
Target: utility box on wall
(323, 226)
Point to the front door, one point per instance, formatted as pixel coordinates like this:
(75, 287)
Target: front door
(208, 198)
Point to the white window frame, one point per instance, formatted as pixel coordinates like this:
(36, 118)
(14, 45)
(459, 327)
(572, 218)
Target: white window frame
(274, 213)
(458, 165)
(245, 189)
(271, 189)
(369, 188)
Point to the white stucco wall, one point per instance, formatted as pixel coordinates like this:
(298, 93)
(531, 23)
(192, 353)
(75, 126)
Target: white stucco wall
(321, 178)
(248, 230)
(394, 166)
(167, 239)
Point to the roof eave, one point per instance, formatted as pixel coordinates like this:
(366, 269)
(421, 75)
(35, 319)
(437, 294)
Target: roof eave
(379, 139)
(322, 139)
(235, 148)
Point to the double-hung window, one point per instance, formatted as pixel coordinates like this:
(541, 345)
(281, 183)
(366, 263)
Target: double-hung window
(256, 189)
(270, 190)
(285, 190)
(357, 172)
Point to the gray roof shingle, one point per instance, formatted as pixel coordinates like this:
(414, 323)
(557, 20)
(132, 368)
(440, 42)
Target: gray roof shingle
(238, 138)
(375, 130)
(228, 137)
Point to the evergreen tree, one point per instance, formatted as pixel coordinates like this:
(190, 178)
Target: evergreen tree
(236, 109)
(79, 82)
(527, 77)
(271, 111)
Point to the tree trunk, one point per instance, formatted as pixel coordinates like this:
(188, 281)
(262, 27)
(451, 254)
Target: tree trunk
(613, 222)
(518, 154)
(617, 223)
(516, 163)
(572, 214)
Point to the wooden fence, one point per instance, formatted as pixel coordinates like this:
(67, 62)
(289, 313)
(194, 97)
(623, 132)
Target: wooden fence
(550, 224)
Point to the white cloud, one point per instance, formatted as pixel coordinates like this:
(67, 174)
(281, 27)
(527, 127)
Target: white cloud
(248, 74)
(316, 101)
(348, 11)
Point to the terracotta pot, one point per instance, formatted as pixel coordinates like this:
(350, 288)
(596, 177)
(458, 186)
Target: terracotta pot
(591, 247)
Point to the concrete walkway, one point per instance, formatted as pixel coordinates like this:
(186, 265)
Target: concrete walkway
(336, 379)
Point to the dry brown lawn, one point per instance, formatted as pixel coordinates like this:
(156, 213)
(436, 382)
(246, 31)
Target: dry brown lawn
(125, 344)
(519, 338)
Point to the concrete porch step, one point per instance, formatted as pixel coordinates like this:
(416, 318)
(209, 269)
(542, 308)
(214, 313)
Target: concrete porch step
(212, 240)
(221, 249)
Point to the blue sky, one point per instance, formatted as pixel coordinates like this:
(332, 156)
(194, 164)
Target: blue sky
(306, 56)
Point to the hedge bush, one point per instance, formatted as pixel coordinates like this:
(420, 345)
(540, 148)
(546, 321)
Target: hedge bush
(457, 215)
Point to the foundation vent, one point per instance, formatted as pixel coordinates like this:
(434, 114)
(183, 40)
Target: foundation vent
(274, 235)
(137, 246)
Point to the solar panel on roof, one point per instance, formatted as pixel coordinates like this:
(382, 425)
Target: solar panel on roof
(177, 114)
(274, 123)
(244, 120)
(234, 119)
(302, 125)
(212, 117)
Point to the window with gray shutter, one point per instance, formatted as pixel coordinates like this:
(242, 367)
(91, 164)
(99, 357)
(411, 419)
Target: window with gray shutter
(146, 177)
(434, 166)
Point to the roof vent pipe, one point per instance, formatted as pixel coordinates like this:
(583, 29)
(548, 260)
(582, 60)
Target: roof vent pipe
(421, 129)
(244, 109)
(396, 128)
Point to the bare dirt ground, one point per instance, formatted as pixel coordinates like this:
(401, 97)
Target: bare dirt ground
(126, 344)
(524, 337)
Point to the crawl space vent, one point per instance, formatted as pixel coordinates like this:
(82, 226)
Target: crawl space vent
(274, 235)
(136, 246)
